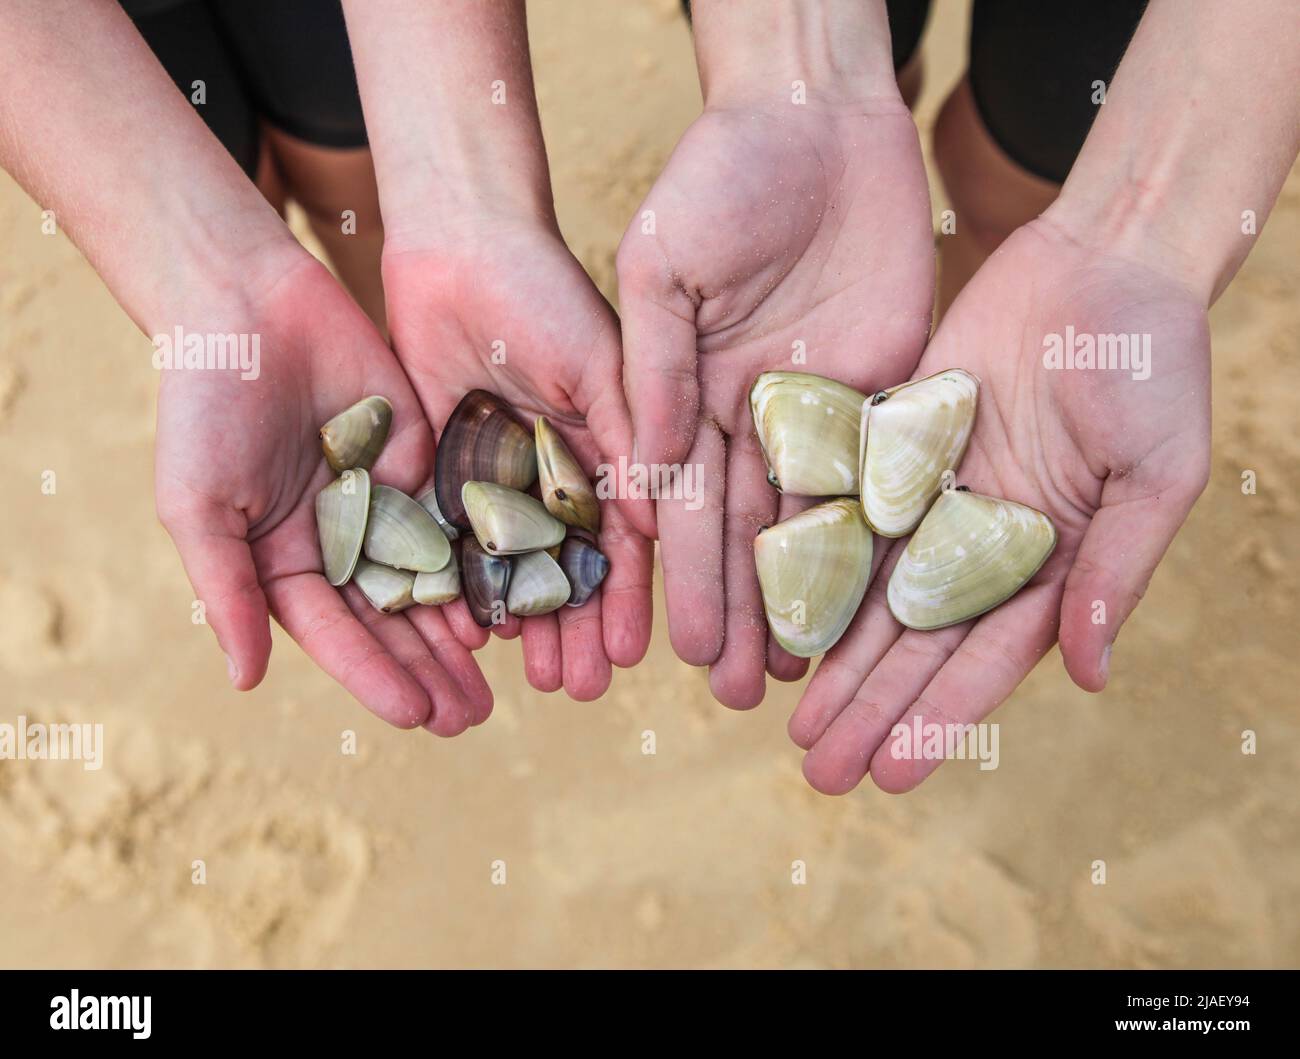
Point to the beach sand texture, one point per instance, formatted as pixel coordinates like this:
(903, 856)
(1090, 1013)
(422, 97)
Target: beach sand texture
(610, 856)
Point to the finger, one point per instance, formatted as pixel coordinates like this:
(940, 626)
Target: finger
(463, 626)
(509, 627)
(455, 658)
(625, 604)
(586, 666)
(450, 713)
(841, 673)
(543, 659)
(217, 560)
(690, 549)
(781, 664)
(992, 660)
(840, 758)
(1124, 543)
(316, 616)
(737, 679)
(659, 351)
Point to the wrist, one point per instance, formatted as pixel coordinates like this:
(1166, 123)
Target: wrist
(822, 51)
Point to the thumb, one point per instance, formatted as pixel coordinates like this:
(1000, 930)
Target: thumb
(659, 352)
(217, 560)
(1124, 543)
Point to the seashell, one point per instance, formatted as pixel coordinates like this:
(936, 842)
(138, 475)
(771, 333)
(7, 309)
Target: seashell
(566, 490)
(403, 534)
(439, 587)
(486, 579)
(584, 566)
(537, 585)
(808, 428)
(387, 589)
(970, 553)
(342, 509)
(912, 434)
(429, 501)
(482, 442)
(355, 436)
(507, 522)
(813, 570)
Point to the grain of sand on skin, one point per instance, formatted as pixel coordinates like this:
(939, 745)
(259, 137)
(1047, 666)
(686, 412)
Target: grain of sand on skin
(612, 855)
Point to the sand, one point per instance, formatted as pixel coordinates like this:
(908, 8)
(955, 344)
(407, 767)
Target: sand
(546, 837)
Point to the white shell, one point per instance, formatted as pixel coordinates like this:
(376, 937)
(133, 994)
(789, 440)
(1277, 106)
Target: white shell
(813, 570)
(911, 435)
(387, 589)
(537, 585)
(507, 522)
(970, 553)
(342, 509)
(403, 534)
(439, 587)
(808, 428)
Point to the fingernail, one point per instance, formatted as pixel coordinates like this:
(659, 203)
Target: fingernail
(232, 669)
(1105, 662)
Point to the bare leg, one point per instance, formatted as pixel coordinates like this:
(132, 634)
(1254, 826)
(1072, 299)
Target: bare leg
(991, 195)
(326, 181)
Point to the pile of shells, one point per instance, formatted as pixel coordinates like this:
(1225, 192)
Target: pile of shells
(968, 553)
(518, 554)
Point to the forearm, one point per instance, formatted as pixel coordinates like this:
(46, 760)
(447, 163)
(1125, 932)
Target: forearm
(838, 49)
(1201, 124)
(94, 130)
(447, 90)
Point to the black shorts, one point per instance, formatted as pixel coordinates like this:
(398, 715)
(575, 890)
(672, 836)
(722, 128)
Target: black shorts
(284, 62)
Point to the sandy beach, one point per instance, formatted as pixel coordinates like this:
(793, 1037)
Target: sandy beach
(547, 837)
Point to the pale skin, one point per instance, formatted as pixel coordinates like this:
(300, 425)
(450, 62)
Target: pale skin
(1146, 234)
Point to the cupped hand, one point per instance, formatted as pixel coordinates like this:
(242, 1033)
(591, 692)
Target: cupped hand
(505, 307)
(779, 237)
(1115, 461)
(238, 467)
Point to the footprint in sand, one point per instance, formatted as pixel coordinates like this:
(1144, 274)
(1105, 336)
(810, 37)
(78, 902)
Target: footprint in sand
(50, 618)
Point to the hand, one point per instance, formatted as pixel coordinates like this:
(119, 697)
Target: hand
(1115, 462)
(239, 465)
(777, 228)
(450, 308)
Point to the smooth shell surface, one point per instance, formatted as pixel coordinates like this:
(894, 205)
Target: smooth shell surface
(507, 522)
(387, 589)
(566, 490)
(355, 436)
(429, 501)
(486, 579)
(584, 566)
(439, 587)
(401, 533)
(911, 435)
(482, 442)
(970, 553)
(342, 509)
(813, 570)
(537, 585)
(808, 428)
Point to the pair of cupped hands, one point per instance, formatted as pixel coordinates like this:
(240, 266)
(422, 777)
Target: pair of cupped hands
(772, 240)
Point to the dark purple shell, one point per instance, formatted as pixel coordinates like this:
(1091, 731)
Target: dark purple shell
(482, 442)
(584, 566)
(485, 579)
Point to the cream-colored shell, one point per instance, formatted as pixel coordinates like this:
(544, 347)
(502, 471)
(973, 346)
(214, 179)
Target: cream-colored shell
(507, 522)
(813, 570)
(537, 585)
(402, 533)
(970, 553)
(342, 509)
(387, 589)
(356, 436)
(439, 587)
(808, 428)
(911, 435)
(566, 489)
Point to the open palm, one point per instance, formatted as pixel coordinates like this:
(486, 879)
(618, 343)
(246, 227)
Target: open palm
(513, 312)
(784, 236)
(238, 468)
(1115, 461)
